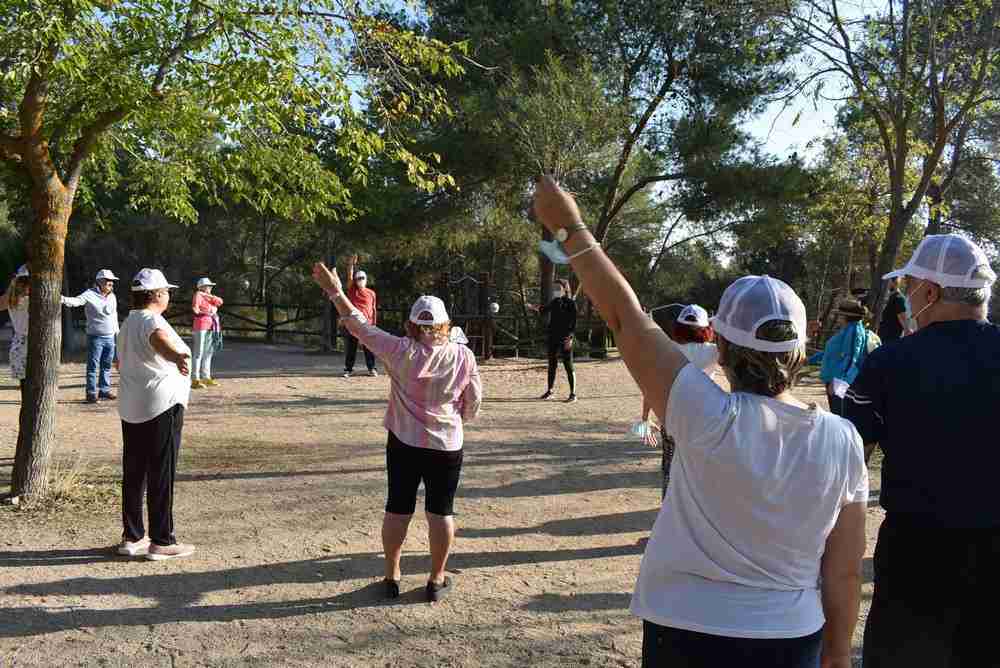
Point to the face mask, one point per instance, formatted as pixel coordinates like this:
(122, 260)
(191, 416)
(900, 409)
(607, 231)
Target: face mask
(553, 250)
(557, 294)
(911, 317)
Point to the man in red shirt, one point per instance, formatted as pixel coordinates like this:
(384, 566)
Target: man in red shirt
(364, 300)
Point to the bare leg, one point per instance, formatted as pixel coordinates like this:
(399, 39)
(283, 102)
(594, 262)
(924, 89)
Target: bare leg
(441, 534)
(393, 534)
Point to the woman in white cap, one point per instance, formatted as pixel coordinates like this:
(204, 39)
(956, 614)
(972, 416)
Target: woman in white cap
(101, 308)
(755, 557)
(154, 366)
(206, 332)
(15, 300)
(435, 388)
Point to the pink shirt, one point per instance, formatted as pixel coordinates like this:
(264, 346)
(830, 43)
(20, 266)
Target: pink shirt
(205, 307)
(434, 389)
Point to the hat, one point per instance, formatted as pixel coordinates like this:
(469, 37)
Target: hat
(432, 305)
(202, 282)
(22, 272)
(458, 336)
(752, 301)
(948, 260)
(360, 275)
(106, 275)
(692, 314)
(150, 279)
(853, 308)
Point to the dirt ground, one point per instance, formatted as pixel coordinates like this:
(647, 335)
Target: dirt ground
(281, 487)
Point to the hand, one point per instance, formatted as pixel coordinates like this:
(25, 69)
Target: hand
(533, 307)
(184, 364)
(327, 278)
(553, 206)
(353, 260)
(568, 343)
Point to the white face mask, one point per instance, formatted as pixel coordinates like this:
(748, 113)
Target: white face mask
(911, 317)
(557, 294)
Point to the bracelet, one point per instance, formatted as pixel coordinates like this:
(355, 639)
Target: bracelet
(584, 251)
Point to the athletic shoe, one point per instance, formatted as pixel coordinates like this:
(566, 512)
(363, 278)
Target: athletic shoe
(348, 374)
(110, 396)
(210, 382)
(129, 549)
(436, 592)
(547, 395)
(571, 399)
(198, 385)
(164, 552)
(373, 373)
(92, 400)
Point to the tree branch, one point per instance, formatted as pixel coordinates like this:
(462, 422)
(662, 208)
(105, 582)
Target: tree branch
(639, 185)
(88, 139)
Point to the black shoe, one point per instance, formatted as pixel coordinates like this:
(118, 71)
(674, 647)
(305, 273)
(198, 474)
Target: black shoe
(547, 395)
(571, 399)
(391, 588)
(436, 592)
(91, 400)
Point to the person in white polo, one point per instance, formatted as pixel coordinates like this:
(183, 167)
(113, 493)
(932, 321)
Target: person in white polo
(101, 308)
(154, 363)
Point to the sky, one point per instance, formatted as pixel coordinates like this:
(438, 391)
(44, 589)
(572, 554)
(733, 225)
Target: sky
(782, 134)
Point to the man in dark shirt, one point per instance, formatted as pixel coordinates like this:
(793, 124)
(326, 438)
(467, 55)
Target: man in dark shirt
(930, 402)
(893, 320)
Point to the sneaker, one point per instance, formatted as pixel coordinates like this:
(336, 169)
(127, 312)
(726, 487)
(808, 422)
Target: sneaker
(197, 385)
(92, 400)
(210, 382)
(571, 399)
(348, 374)
(110, 396)
(436, 592)
(373, 373)
(547, 395)
(164, 552)
(129, 549)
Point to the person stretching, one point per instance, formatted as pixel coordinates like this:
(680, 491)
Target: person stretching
(206, 333)
(561, 311)
(364, 299)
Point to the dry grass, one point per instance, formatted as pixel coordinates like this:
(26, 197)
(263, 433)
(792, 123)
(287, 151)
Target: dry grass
(76, 485)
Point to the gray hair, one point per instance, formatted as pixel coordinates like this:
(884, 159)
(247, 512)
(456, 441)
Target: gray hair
(970, 296)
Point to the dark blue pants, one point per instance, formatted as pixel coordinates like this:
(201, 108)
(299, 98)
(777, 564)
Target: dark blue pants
(351, 353)
(100, 355)
(665, 647)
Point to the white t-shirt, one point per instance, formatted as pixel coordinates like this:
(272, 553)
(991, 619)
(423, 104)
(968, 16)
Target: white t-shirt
(705, 356)
(756, 486)
(149, 384)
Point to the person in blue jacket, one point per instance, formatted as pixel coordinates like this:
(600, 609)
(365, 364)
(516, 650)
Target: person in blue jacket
(845, 351)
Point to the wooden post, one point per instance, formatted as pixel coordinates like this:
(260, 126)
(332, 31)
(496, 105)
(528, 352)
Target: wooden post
(270, 319)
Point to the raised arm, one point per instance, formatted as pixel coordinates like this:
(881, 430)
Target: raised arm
(351, 263)
(74, 302)
(381, 343)
(652, 359)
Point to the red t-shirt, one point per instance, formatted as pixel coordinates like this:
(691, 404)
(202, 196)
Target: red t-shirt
(363, 300)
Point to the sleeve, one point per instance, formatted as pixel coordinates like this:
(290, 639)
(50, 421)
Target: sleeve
(196, 302)
(896, 306)
(150, 325)
(216, 301)
(472, 395)
(815, 358)
(382, 344)
(856, 485)
(697, 407)
(74, 302)
(864, 403)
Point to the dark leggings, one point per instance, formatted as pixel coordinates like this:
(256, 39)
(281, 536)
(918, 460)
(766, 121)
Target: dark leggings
(557, 348)
(665, 647)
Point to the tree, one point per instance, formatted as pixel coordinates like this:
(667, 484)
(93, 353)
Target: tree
(922, 70)
(81, 79)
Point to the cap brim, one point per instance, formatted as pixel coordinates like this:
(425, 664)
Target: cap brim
(899, 273)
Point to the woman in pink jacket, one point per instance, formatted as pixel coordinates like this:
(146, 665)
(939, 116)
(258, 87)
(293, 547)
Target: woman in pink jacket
(435, 389)
(206, 333)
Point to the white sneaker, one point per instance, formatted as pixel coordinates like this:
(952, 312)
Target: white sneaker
(373, 373)
(164, 552)
(129, 549)
(348, 374)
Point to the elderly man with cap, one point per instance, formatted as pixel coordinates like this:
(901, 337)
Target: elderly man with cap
(435, 389)
(929, 400)
(364, 299)
(755, 556)
(101, 308)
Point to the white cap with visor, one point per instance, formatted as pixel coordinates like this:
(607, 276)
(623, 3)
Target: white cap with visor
(694, 315)
(429, 310)
(753, 301)
(106, 275)
(22, 271)
(150, 279)
(950, 261)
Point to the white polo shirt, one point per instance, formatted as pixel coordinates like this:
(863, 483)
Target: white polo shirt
(149, 384)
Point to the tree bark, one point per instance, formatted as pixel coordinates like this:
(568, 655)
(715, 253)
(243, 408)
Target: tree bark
(52, 205)
(887, 256)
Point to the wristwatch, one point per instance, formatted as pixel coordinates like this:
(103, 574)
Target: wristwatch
(564, 233)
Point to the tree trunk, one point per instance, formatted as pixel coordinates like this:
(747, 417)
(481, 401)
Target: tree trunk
(52, 205)
(887, 257)
(935, 197)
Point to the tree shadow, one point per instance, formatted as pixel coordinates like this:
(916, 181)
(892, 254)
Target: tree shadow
(177, 595)
(573, 481)
(578, 602)
(631, 522)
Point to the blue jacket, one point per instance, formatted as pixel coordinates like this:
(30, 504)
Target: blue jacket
(844, 353)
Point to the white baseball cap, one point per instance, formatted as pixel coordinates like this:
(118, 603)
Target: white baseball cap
(22, 271)
(106, 275)
(202, 282)
(692, 314)
(948, 260)
(360, 276)
(456, 335)
(752, 301)
(431, 306)
(150, 279)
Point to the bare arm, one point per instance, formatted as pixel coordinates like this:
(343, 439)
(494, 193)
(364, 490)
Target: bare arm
(162, 345)
(5, 301)
(841, 584)
(351, 262)
(651, 358)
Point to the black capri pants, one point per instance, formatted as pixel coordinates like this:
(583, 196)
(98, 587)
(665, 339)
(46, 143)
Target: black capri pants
(407, 466)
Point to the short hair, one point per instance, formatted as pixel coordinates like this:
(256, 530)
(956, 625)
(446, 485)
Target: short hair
(438, 333)
(757, 372)
(970, 296)
(143, 298)
(685, 333)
